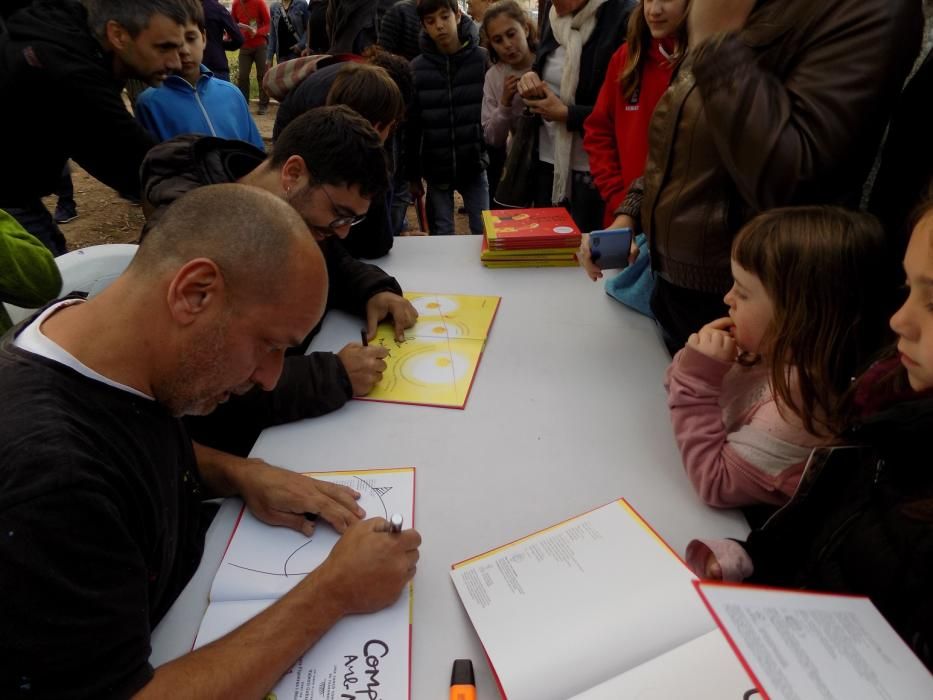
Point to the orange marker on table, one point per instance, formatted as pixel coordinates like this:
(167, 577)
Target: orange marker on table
(462, 681)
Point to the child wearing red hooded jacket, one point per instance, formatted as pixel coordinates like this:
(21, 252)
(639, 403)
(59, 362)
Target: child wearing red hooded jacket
(615, 135)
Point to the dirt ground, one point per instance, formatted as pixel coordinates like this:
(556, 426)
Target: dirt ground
(105, 217)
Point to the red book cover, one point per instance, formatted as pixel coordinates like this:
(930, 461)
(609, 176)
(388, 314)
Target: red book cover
(550, 227)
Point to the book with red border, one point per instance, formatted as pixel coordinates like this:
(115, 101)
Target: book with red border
(546, 227)
(481, 334)
(789, 613)
(409, 522)
(528, 257)
(523, 582)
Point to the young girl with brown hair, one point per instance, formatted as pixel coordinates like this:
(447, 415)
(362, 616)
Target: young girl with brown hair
(511, 38)
(861, 521)
(616, 132)
(752, 394)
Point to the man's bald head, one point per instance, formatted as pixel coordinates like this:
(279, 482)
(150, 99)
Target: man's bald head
(231, 277)
(252, 236)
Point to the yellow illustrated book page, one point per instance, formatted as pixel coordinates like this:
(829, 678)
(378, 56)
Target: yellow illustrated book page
(436, 363)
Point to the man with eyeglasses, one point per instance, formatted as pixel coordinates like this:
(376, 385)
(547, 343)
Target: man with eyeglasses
(328, 164)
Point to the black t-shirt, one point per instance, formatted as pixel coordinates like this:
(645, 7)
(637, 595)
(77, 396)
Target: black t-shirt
(99, 529)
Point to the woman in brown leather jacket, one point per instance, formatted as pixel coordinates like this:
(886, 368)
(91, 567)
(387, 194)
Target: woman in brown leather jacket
(778, 102)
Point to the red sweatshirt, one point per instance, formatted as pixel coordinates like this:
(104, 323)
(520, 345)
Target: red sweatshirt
(255, 14)
(615, 135)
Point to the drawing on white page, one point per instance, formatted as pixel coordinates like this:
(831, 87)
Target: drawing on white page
(372, 500)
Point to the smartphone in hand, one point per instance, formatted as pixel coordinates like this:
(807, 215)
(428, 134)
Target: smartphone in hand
(610, 249)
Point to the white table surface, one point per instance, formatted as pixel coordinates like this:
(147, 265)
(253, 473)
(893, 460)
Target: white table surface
(567, 412)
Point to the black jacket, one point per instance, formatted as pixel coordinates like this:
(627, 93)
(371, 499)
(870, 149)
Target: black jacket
(311, 385)
(318, 41)
(308, 94)
(903, 178)
(61, 101)
(217, 21)
(862, 523)
(607, 37)
(351, 25)
(400, 29)
(445, 131)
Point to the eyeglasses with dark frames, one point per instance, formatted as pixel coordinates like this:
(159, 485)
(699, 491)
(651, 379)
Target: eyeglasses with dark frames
(340, 221)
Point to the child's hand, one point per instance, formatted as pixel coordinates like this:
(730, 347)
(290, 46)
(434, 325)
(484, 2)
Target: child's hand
(530, 86)
(715, 340)
(509, 89)
(713, 570)
(586, 261)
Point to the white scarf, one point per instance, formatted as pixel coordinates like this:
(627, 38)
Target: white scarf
(571, 32)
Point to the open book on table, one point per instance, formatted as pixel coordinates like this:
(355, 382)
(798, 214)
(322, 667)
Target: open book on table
(436, 363)
(587, 603)
(598, 607)
(805, 644)
(262, 563)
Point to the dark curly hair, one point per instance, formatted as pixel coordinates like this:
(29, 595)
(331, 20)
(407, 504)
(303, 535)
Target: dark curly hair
(338, 146)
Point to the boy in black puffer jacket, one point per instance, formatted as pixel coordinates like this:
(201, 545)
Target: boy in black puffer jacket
(445, 130)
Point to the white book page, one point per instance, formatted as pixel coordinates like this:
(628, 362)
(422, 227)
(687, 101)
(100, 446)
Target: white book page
(361, 656)
(579, 603)
(702, 669)
(265, 562)
(812, 646)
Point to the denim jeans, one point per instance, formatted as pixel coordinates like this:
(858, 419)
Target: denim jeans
(398, 210)
(441, 205)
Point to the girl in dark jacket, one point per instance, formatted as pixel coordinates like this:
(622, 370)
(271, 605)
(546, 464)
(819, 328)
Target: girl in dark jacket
(861, 521)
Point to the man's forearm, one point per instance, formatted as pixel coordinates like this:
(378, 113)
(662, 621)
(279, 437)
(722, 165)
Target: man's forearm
(248, 661)
(219, 471)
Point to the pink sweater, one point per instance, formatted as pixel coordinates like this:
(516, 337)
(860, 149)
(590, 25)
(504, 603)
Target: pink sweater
(736, 447)
(499, 119)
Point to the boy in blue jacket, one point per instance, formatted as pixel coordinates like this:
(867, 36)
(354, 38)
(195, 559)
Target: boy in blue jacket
(194, 101)
(445, 128)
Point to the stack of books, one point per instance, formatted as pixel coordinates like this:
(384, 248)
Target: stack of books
(529, 238)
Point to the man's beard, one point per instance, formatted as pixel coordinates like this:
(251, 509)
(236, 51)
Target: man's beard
(196, 387)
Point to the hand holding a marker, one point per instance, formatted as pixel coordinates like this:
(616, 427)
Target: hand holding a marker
(369, 566)
(364, 365)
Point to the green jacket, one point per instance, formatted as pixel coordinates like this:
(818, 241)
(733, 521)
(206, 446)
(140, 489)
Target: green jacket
(28, 273)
